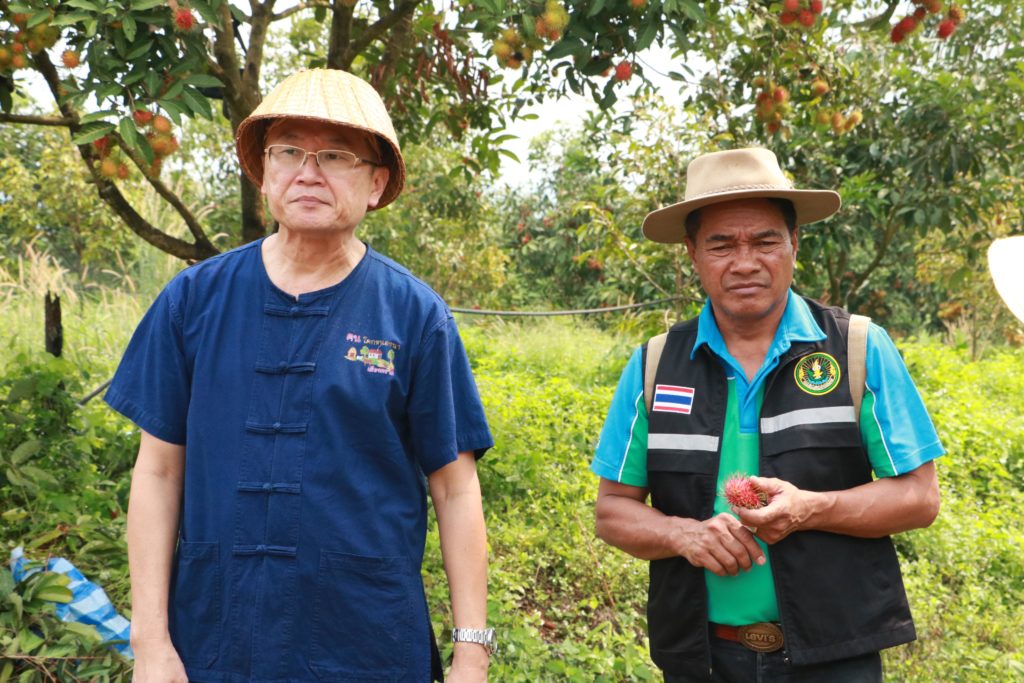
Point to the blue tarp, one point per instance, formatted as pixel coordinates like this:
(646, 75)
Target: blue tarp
(89, 603)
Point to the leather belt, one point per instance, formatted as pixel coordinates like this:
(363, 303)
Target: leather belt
(761, 637)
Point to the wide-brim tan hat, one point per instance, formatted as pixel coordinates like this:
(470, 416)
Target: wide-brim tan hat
(1004, 263)
(327, 95)
(736, 174)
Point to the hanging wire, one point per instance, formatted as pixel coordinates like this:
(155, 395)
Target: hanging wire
(578, 311)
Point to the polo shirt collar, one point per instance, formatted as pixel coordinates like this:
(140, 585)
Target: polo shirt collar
(797, 325)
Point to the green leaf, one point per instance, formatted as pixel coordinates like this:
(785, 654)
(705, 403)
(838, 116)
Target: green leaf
(5, 673)
(6, 583)
(69, 19)
(98, 115)
(134, 77)
(140, 5)
(84, 4)
(203, 81)
(129, 27)
(129, 133)
(142, 48)
(153, 83)
(37, 474)
(108, 90)
(38, 18)
(19, 604)
(84, 630)
(53, 594)
(14, 514)
(29, 641)
(692, 10)
(647, 36)
(175, 90)
(205, 10)
(596, 8)
(25, 450)
(16, 479)
(197, 102)
(45, 538)
(23, 388)
(566, 47)
(173, 109)
(90, 132)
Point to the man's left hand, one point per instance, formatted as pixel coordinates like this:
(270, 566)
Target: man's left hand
(469, 664)
(790, 510)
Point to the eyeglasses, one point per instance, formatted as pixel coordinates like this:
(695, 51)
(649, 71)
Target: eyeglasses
(332, 162)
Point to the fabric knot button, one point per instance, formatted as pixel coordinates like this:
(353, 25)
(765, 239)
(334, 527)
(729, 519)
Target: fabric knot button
(266, 487)
(293, 310)
(277, 425)
(261, 548)
(283, 365)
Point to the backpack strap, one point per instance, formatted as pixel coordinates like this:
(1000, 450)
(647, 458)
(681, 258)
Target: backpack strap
(654, 348)
(856, 352)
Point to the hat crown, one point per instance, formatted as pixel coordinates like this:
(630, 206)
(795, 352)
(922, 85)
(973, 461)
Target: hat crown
(329, 94)
(734, 171)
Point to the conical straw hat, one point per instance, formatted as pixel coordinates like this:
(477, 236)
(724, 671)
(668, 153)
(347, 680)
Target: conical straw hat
(327, 95)
(1004, 262)
(736, 174)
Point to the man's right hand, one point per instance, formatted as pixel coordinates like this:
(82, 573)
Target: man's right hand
(722, 545)
(157, 661)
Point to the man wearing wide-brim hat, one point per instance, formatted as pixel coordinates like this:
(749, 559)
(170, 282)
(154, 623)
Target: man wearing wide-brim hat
(297, 396)
(781, 444)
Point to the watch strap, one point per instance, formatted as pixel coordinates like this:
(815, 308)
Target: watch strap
(480, 636)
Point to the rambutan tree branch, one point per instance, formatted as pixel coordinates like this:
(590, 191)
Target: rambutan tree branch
(284, 14)
(113, 197)
(378, 30)
(58, 121)
(169, 196)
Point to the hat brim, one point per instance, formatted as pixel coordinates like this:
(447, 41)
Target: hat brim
(1004, 258)
(668, 225)
(250, 137)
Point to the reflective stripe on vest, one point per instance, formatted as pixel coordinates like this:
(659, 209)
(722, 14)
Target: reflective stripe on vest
(807, 416)
(682, 442)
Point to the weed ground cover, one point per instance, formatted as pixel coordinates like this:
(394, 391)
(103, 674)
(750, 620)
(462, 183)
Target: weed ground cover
(568, 607)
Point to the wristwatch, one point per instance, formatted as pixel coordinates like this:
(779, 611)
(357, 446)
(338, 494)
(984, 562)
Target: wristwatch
(480, 636)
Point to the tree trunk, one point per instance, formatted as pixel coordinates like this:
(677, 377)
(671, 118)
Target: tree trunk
(254, 224)
(54, 329)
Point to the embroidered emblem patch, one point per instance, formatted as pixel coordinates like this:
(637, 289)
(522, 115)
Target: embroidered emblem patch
(669, 398)
(377, 355)
(817, 373)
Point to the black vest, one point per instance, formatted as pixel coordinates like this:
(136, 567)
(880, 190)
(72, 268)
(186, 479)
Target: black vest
(839, 596)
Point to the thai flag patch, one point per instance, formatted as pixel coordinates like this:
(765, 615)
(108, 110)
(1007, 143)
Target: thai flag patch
(669, 398)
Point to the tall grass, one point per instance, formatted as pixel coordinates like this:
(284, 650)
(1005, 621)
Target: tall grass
(98, 312)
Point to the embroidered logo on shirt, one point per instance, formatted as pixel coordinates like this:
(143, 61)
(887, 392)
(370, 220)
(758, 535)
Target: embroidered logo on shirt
(669, 398)
(377, 355)
(817, 373)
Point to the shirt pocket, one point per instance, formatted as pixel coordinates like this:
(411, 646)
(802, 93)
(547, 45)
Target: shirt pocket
(362, 622)
(196, 603)
(817, 456)
(682, 482)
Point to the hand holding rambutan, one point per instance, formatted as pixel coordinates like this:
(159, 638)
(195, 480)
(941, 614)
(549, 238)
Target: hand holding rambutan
(740, 492)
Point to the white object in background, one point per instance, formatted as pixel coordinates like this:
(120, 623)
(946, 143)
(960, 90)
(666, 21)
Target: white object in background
(1006, 264)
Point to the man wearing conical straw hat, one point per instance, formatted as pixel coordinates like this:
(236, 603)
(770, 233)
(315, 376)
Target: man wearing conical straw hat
(781, 442)
(297, 398)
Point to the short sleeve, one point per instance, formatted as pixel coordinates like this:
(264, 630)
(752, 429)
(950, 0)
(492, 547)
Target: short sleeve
(895, 426)
(621, 454)
(153, 382)
(446, 416)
